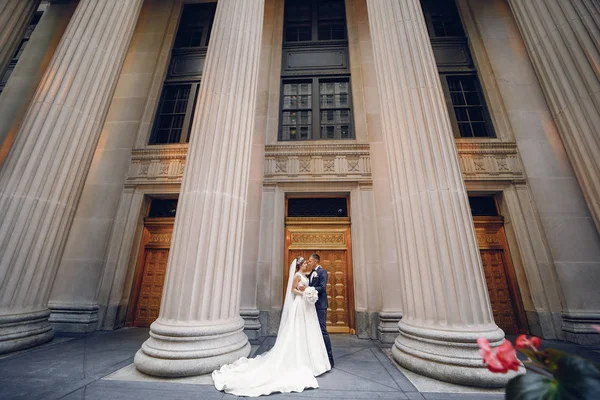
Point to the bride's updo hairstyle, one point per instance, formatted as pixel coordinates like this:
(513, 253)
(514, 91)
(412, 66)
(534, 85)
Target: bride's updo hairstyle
(299, 261)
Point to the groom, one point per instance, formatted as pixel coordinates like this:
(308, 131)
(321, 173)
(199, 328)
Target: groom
(318, 280)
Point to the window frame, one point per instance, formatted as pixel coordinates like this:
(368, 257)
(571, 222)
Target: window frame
(430, 27)
(452, 113)
(315, 81)
(194, 80)
(206, 34)
(314, 28)
(468, 68)
(189, 114)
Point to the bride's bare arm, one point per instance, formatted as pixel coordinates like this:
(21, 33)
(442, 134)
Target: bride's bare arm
(295, 286)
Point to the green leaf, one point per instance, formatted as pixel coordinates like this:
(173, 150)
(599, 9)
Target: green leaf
(532, 387)
(575, 378)
(579, 379)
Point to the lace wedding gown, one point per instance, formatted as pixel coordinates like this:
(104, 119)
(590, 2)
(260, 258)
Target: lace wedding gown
(298, 356)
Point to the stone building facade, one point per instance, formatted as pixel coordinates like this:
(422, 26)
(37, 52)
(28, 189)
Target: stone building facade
(163, 161)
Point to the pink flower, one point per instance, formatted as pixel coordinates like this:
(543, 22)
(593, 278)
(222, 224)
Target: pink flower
(596, 327)
(500, 359)
(523, 342)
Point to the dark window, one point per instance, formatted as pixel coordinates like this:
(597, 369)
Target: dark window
(297, 118)
(316, 101)
(442, 18)
(335, 109)
(483, 206)
(195, 25)
(163, 208)
(314, 20)
(466, 103)
(298, 21)
(13, 62)
(331, 20)
(309, 117)
(317, 207)
(175, 112)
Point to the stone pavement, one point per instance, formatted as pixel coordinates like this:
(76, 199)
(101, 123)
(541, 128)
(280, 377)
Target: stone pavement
(93, 366)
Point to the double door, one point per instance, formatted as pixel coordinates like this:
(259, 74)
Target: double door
(330, 239)
(151, 269)
(500, 276)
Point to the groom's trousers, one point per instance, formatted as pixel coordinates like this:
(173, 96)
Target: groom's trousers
(322, 315)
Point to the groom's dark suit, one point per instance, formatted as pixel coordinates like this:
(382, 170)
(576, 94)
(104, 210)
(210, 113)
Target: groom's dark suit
(319, 282)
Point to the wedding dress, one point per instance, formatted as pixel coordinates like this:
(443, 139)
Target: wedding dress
(298, 355)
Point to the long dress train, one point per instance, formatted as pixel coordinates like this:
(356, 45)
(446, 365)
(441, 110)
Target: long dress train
(298, 356)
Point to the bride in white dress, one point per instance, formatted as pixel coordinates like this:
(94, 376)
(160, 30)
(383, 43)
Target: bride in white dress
(298, 355)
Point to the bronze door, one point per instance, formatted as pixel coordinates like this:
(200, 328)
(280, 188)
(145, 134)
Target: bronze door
(500, 276)
(330, 238)
(144, 305)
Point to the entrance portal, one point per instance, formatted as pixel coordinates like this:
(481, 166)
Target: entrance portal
(501, 280)
(151, 267)
(330, 238)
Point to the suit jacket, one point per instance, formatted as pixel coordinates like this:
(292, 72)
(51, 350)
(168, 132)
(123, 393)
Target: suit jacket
(319, 282)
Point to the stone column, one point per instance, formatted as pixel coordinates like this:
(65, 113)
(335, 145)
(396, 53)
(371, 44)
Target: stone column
(30, 69)
(199, 327)
(444, 296)
(563, 40)
(43, 175)
(15, 16)
(86, 257)
(571, 272)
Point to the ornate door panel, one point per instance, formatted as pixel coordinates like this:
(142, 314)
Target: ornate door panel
(144, 305)
(499, 273)
(330, 238)
(148, 304)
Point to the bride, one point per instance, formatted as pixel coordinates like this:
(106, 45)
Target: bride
(296, 358)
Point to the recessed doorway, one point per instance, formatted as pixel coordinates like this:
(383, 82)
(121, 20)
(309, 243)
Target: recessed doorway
(321, 225)
(500, 276)
(151, 267)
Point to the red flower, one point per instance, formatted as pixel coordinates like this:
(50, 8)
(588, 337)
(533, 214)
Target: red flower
(523, 342)
(500, 359)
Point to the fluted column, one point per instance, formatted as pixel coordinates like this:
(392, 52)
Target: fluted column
(15, 16)
(563, 41)
(445, 301)
(199, 327)
(42, 177)
(29, 71)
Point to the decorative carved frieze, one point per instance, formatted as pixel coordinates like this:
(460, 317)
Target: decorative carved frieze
(485, 161)
(153, 166)
(318, 238)
(480, 161)
(160, 238)
(297, 162)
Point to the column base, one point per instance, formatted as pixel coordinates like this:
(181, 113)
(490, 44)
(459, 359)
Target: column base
(176, 350)
(21, 331)
(577, 327)
(450, 356)
(387, 330)
(251, 323)
(74, 318)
